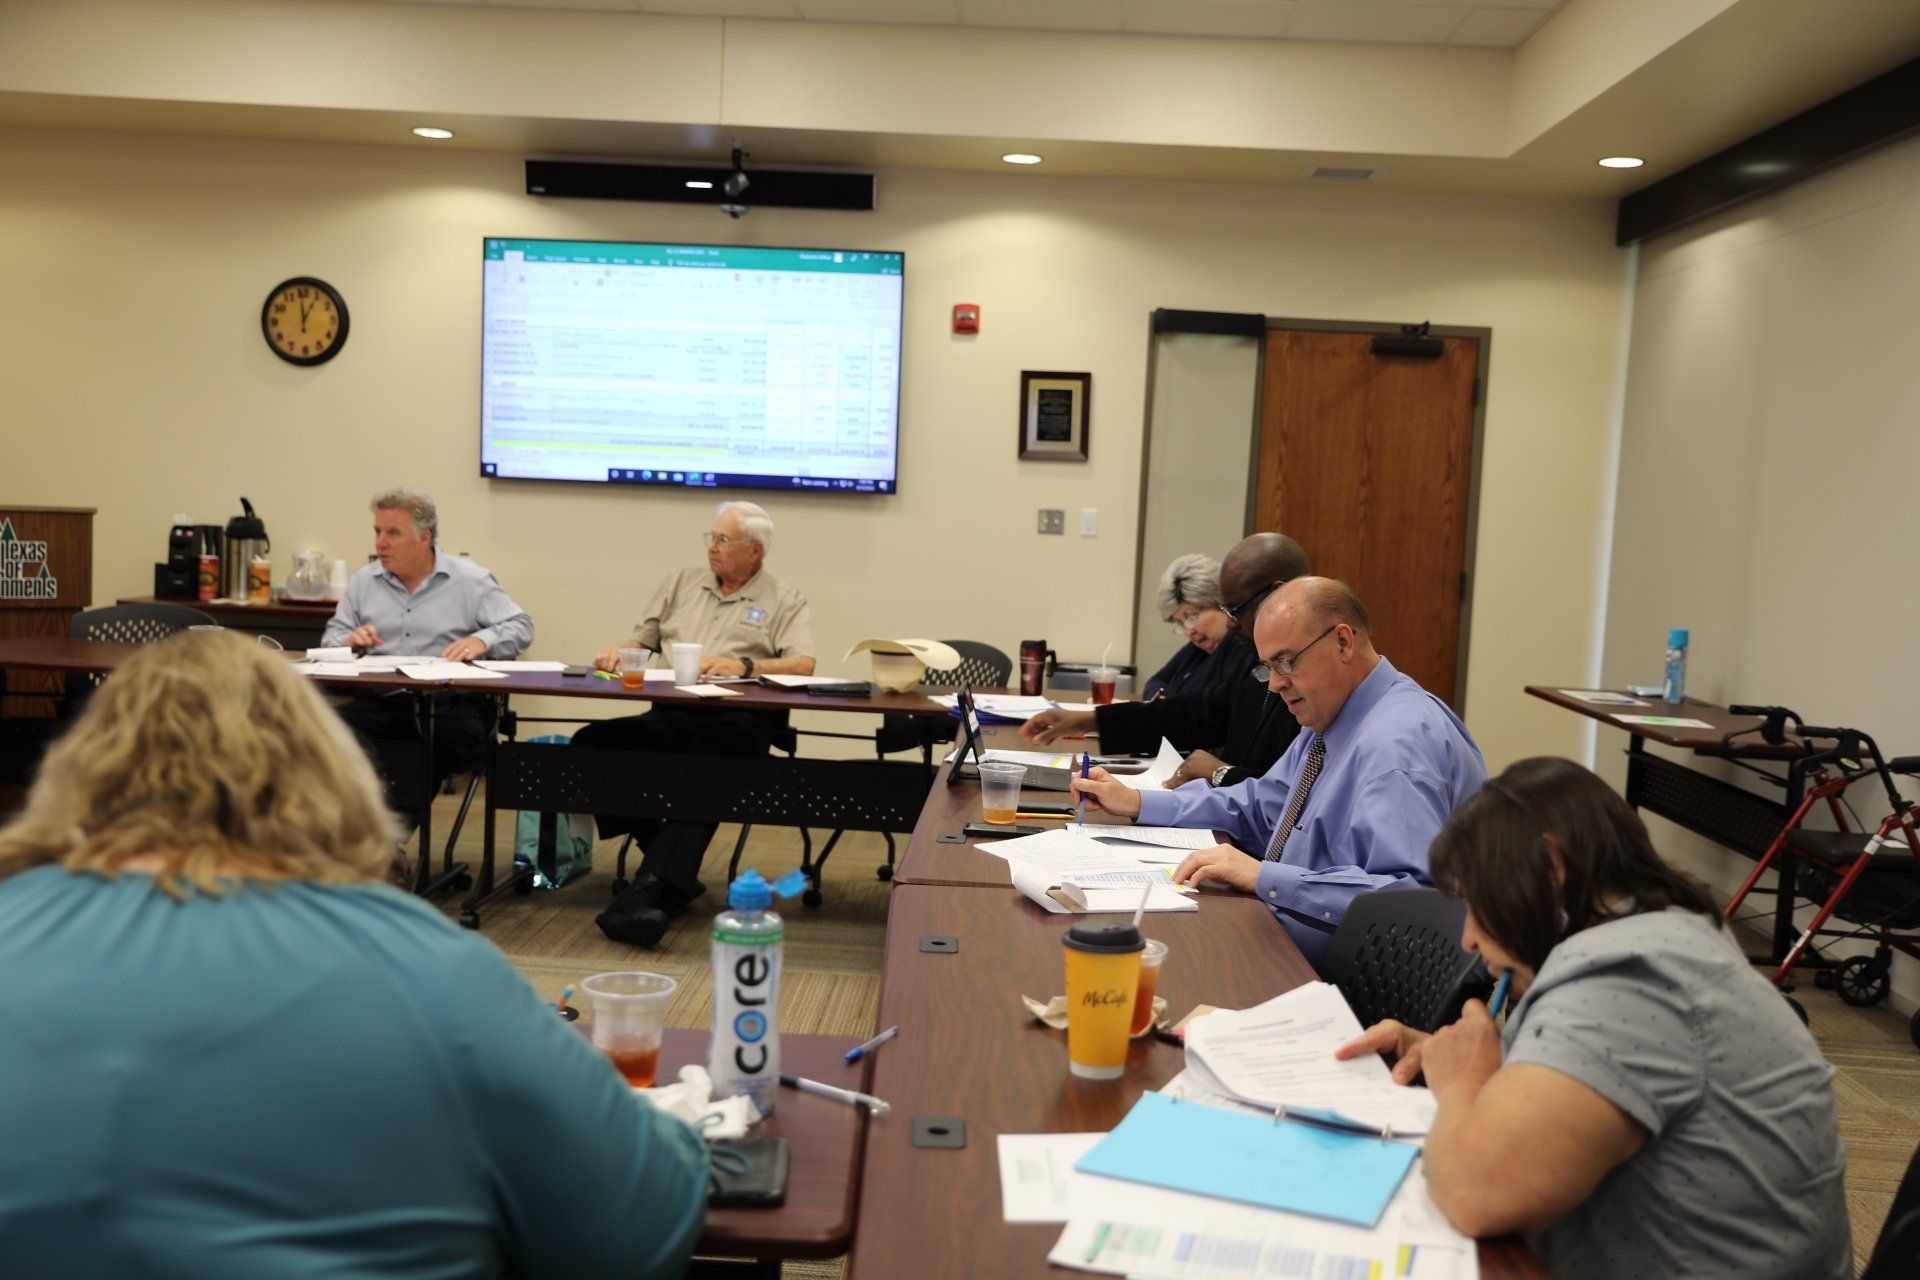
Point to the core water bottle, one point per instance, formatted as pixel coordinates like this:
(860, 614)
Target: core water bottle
(745, 1054)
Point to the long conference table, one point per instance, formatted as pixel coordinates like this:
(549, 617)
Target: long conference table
(962, 946)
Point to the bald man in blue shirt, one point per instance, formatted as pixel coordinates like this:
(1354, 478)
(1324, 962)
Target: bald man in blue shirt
(1357, 798)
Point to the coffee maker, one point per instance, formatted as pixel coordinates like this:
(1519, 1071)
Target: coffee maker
(178, 577)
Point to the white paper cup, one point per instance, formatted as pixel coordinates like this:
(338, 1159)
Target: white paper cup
(686, 663)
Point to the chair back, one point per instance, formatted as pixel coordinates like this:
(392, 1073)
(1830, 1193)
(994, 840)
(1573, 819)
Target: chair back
(1397, 955)
(981, 665)
(1896, 1256)
(135, 623)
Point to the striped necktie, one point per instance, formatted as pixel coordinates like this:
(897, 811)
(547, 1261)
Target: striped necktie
(1316, 756)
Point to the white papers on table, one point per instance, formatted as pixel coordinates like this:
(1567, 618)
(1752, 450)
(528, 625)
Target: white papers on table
(1129, 839)
(708, 690)
(802, 682)
(1116, 891)
(1602, 697)
(1064, 851)
(1665, 722)
(657, 673)
(1011, 705)
(521, 665)
(443, 669)
(1280, 1054)
(1134, 1229)
(339, 654)
(1035, 1170)
(1034, 759)
(328, 670)
(1165, 764)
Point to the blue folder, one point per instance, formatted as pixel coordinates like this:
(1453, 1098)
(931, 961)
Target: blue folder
(1188, 1146)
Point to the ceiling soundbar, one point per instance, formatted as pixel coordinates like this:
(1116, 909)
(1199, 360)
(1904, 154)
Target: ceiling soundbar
(668, 183)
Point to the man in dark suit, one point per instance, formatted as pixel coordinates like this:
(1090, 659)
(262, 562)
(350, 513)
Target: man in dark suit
(1233, 730)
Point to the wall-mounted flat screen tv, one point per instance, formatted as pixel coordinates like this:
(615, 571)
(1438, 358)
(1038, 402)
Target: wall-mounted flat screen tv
(691, 365)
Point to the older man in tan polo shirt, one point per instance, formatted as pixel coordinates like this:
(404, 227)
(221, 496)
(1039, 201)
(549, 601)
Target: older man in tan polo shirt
(747, 622)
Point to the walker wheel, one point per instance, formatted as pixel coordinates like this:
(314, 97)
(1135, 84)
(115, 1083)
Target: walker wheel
(1862, 981)
(811, 897)
(460, 883)
(884, 872)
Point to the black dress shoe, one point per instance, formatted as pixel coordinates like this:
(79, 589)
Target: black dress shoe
(634, 923)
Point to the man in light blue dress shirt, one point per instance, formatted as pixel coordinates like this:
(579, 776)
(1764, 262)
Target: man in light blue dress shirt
(1355, 801)
(418, 601)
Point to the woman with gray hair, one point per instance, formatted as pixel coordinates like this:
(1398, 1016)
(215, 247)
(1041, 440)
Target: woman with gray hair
(1189, 598)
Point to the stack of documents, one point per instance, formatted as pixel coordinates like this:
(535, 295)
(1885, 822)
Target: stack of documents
(1073, 869)
(1278, 1056)
(1123, 1227)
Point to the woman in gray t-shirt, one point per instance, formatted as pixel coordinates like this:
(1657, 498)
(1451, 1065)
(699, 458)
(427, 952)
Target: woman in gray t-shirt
(1653, 1108)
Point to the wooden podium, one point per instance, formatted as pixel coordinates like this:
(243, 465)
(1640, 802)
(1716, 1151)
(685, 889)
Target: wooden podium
(46, 576)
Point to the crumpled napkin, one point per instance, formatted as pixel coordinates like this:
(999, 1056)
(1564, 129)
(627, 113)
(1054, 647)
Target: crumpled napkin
(692, 1100)
(1054, 1013)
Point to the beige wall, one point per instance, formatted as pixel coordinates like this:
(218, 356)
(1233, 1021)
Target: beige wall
(1766, 461)
(137, 381)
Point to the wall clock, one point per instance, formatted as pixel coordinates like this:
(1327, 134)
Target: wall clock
(304, 320)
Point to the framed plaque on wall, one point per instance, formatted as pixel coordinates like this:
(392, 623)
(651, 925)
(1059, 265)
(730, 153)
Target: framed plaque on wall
(1054, 422)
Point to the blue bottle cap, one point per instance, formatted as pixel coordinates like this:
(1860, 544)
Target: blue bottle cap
(1677, 638)
(751, 892)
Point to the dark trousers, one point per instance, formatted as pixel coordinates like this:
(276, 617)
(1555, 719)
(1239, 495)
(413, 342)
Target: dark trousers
(462, 727)
(674, 850)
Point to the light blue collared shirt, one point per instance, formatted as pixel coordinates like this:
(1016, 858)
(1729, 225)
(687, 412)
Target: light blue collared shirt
(1398, 762)
(457, 599)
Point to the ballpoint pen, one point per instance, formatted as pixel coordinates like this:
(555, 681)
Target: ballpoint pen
(1085, 761)
(860, 1051)
(875, 1105)
(1499, 1000)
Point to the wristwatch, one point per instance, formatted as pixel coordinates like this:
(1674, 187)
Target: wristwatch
(1219, 778)
(747, 663)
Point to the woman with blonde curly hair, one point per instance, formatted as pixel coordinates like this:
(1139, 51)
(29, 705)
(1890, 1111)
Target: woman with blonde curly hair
(227, 1049)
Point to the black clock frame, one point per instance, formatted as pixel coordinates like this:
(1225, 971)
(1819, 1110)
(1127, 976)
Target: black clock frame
(339, 305)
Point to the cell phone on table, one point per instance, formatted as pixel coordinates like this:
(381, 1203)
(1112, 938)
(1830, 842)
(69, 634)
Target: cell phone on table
(1039, 807)
(999, 830)
(574, 669)
(748, 1171)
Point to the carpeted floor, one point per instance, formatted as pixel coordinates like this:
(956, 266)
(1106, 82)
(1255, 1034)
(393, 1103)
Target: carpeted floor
(832, 986)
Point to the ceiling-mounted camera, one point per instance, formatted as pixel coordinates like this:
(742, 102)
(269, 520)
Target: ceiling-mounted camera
(735, 186)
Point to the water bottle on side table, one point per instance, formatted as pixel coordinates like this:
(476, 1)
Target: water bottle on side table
(1674, 687)
(745, 1054)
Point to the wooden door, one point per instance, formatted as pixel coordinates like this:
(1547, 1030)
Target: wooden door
(1368, 461)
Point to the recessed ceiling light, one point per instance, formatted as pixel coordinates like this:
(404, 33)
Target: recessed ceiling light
(697, 185)
(1021, 157)
(427, 131)
(1621, 162)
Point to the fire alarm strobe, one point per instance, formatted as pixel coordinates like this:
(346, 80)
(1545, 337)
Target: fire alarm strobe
(966, 317)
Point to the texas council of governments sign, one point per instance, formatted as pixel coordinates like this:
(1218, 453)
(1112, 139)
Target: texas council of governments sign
(23, 568)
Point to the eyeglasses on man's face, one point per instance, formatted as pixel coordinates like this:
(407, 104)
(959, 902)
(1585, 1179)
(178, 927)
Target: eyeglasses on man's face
(1287, 664)
(1234, 611)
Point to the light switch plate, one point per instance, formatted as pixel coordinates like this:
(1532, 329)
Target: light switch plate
(1089, 522)
(1053, 519)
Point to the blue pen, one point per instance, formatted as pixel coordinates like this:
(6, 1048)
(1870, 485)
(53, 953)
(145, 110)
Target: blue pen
(860, 1051)
(1499, 1000)
(1085, 761)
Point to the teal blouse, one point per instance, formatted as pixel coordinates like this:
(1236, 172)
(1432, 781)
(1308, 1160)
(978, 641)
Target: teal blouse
(301, 1081)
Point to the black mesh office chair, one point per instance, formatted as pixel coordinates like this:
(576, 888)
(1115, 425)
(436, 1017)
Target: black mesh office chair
(1896, 1256)
(981, 667)
(1397, 955)
(123, 624)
